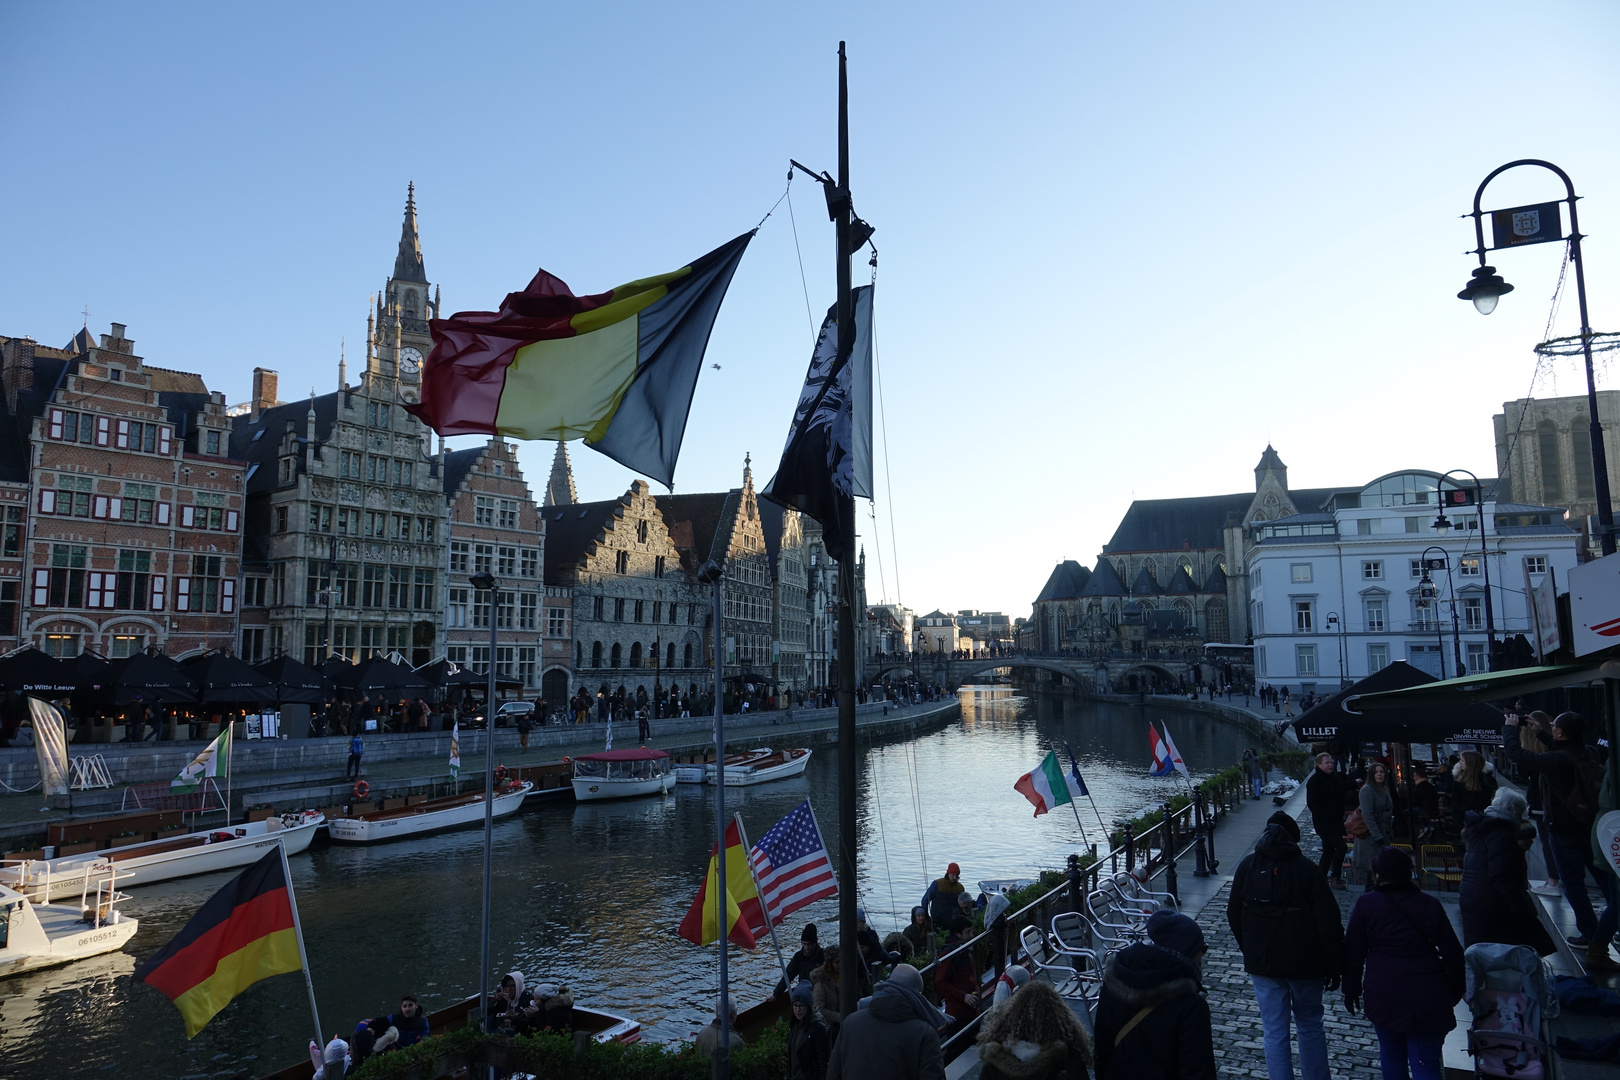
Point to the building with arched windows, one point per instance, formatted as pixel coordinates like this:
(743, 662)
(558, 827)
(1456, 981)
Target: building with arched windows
(1544, 454)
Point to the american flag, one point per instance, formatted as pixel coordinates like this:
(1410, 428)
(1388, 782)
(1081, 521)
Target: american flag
(791, 865)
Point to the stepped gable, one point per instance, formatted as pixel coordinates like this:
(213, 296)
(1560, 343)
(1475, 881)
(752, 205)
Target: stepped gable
(1144, 585)
(1068, 580)
(700, 525)
(457, 464)
(571, 531)
(1104, 581)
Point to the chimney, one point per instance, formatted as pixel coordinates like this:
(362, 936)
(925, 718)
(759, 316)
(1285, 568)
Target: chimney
(264, 390)
(16, 369)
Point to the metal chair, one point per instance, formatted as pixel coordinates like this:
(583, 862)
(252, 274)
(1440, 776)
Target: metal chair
(1065, 980)
(1116, 926)
(1072, 938)
(1133, 890)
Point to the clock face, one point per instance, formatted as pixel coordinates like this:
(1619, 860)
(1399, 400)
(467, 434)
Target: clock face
(410, 360)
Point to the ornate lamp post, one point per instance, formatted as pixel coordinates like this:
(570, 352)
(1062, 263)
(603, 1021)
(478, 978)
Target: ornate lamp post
(1443, 525)
(1429, 594)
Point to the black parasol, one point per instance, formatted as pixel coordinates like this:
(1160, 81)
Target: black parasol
(223, 678)
(1339, 718)
(292, 681)
(34, 671)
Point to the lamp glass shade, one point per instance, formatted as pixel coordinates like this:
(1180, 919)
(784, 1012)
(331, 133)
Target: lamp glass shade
(1485, 302)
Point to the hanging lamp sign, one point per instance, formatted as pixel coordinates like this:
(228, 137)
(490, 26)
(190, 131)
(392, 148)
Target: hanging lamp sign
(1520, 225)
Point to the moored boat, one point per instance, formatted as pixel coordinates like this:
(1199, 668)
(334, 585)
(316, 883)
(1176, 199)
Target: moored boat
(602, 1026)
(148, 862)
(622, 774)
(426, 817)
(779, 765)
(41, 935)
(702, 772)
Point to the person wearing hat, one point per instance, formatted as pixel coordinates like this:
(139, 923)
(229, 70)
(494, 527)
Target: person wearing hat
(1152, 1021)
(920, 935)
(1285, 919)
(807, 959)
(894, 1035)
(940, 899)
(808, 1042)
(956, 977)
(1414, 968)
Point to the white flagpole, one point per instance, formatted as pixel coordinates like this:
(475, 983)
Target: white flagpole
(770, 923)
(298, 932)
(230, 748)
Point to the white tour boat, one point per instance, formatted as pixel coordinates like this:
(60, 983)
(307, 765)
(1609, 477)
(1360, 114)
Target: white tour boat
(203, 852)
(702, 772)
(426, 817)
(622, 774)
(775, 766)
(36, 935)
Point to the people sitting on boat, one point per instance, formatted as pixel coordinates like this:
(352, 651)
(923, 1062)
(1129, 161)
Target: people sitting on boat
(809, 1042)
(332, 1062)
(940, 899)
(920, 935)
(556, 1008)
(806, 960)
(708, 1040)
(825, 987)
(513, 1006)
(410, 1021)
(956, 978)
(866, 939)
(371, 1037)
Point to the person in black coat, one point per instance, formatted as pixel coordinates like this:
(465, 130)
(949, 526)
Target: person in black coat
(1495, 891)
(802, 963)
(1286, 921)
(808, 1041)
(1174, 1041)
(1324, 798)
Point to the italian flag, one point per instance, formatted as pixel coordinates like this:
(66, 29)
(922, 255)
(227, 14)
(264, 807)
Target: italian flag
(1048, 785)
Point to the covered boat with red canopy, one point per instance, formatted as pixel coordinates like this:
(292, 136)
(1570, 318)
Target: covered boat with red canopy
(622, 774)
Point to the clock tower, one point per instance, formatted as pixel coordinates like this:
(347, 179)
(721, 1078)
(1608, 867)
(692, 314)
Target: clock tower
(397, 332)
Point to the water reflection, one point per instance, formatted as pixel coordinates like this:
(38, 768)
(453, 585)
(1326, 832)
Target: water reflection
(591, 894)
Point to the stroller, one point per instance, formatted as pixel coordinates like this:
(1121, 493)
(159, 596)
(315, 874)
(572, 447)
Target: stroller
(1508, 996)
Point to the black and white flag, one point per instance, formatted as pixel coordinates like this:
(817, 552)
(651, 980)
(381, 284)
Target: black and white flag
(828, 457)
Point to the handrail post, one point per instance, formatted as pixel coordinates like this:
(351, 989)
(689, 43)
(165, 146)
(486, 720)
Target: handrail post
(1130, 847)
(1169, 842)
(998, 943)
(1077, 896)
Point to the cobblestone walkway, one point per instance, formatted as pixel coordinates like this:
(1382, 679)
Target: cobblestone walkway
(1239, 1048)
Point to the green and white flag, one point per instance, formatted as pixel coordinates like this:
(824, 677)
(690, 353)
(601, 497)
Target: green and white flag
(1048, 785)
(455, 750)
(214, 761)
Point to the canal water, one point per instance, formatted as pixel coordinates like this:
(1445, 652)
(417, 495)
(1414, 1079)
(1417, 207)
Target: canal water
(590, 895)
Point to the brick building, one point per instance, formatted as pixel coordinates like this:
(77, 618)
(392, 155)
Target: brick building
(132, 539)
(495, 526)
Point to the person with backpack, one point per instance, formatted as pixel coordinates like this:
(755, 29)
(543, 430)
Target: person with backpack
(1571, 776)
(1286, 921)
(1153, 1021)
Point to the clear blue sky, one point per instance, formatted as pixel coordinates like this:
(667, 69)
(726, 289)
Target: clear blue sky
(1123, 246)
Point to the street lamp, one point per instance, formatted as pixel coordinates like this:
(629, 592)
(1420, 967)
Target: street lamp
(1516, 227)
(485, 582)
(1443, 525)
(1428, 593)
(1336, 627)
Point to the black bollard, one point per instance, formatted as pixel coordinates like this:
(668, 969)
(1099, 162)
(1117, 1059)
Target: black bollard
(1077, 887)
(1130, 847)
(1170, 854)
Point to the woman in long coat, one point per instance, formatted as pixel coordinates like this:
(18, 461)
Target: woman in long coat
(1378, 813)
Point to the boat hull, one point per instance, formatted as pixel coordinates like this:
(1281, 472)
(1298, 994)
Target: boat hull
(591, 789)
(65, 878)
(91, 941)
(748, 776)
(367, 831)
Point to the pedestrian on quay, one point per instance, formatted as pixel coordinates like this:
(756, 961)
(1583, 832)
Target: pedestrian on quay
(808, 1042)
(1473, 787)
(708, 1040)
(1153, 1022)
(1034, 1036)
(894, 1035)
(356, 749)
(1324, 798)
(940, 899)
(1495, 892)
(525, 721)
(1377, 808)
(1413, 962)
(1571, 779)
(802, 963)
(1252, 772)
(1286, 921)
(645, 728)
(1529, 739)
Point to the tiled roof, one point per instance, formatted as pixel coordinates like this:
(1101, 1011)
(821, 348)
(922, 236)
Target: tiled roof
(1068, 580)
(570, 531)
(1104, 581)
(457, 464)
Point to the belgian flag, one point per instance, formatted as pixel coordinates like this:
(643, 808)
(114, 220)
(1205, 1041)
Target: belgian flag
(245, 933)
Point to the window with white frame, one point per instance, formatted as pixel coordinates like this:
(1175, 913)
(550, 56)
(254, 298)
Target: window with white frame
(1257, 576)
(1416, 568)
(1301, 571)
(530, 563)
(456, 654)
(1535, 564)
(1473, 613)
(1305, 661)
(1374, 608)
(1468, 566)
(1377, 658)
(1260, 661)
(1304, 616)
(1369, 526)
(456, 613)
(459, 552)
(528, 611)
(556, 622)
(1372, 569)
(483, 510)
(1477, 661)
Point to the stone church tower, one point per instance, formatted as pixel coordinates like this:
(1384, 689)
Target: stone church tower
(397, 338)
(560, 485)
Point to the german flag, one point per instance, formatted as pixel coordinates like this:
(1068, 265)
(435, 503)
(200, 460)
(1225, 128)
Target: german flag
(616, 369)
(243, 934)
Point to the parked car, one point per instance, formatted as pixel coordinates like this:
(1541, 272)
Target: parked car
(507, 715)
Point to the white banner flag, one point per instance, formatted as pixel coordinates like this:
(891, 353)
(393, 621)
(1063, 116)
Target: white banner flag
(50, 744)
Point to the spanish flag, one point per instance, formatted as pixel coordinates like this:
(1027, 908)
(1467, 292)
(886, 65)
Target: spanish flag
(702, 923)
(616, 369)
(243, 934)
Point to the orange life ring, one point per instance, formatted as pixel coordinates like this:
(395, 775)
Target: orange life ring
(567, 760)
(361, 789)
(500, 773)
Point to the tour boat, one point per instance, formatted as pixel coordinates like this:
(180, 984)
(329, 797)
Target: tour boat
(622, 774)
(702, 772)
(425, 817)
(776, 766)
(603, 1027)
(203, 852)
(38, 935)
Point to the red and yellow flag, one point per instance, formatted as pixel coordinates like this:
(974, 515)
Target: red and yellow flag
(702, 923)
(243, 934)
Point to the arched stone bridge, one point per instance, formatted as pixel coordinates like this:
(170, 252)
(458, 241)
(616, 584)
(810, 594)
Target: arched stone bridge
(1099, 674)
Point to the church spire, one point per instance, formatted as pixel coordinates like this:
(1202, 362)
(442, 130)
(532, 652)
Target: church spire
(560, 485)
(408, 263)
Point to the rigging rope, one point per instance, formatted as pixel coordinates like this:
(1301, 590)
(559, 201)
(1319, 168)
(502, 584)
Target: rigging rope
(877, 800)
(777, 203)
(803, 281)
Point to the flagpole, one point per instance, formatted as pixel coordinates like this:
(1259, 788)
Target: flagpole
(1075, 765)
(770, 923)
(715, 575)
(230, 748)
(298, 932)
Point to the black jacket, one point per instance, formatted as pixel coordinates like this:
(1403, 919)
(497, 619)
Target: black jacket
(799, 967)
(1174, 1041)
(808, 1048)
(1283, 914)
(887, 1040)
(1324, 798)
(1494, 896)
(1556, 770)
